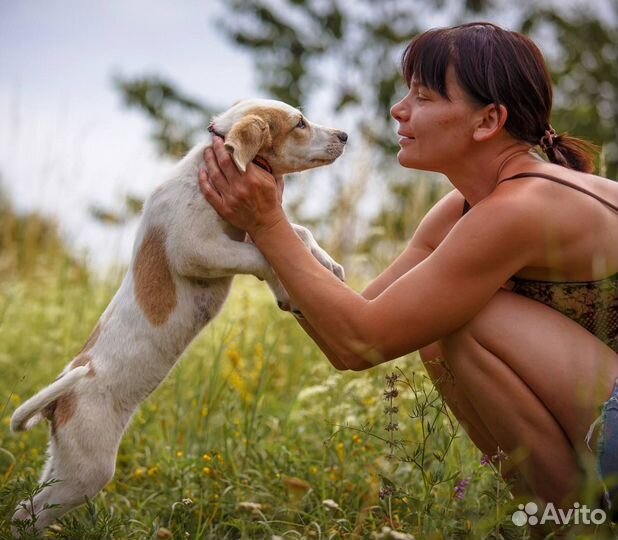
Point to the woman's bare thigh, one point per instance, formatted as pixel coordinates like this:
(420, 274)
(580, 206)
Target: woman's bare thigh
(570, 371)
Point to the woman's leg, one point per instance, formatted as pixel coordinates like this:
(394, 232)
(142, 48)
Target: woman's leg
(529, 380)
(458, 403)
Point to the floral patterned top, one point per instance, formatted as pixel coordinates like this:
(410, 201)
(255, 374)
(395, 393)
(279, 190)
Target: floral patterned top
(592, 304)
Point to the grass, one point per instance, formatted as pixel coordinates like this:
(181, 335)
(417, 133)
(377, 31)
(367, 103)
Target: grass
(254, 435)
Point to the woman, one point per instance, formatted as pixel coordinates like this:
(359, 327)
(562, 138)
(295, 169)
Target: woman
(526, 370)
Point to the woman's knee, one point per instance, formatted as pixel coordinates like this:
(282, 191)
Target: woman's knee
(434, 363)
(430, 352)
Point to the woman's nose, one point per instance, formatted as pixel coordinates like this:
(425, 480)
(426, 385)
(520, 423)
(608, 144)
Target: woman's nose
(399, 111)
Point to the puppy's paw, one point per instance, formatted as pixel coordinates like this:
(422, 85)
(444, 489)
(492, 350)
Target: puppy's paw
(320, 254)
(284, 305)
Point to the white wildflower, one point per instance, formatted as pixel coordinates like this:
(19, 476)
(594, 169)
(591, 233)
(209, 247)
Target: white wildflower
(329, 503)
(388, 534)
(312, 391)
(252, 507)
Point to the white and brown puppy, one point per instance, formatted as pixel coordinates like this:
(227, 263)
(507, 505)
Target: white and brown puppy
(183, 262)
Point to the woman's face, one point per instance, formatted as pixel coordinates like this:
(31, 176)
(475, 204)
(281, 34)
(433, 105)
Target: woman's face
(435, 133)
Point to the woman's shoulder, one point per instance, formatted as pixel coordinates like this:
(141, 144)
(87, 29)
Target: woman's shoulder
(558, 193)
(440, 219)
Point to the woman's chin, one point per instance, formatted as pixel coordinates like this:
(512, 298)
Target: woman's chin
(407, 161)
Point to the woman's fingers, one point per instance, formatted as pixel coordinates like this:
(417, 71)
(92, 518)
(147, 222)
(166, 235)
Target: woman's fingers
(216, 177)
(224, 160)
(280, 185)
(210, 193)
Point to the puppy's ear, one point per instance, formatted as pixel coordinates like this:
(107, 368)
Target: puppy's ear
(245, 139)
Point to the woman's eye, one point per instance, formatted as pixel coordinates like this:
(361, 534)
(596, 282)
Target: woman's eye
(301, 124)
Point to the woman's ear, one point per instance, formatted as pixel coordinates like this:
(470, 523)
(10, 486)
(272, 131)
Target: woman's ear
(245, 139)
(490, 121)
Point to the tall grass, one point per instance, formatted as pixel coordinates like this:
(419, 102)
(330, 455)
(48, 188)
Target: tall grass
(254, 435)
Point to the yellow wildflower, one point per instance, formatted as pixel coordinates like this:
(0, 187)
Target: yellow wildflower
(139, 472)
(207, 458)
(180, 454)
(240, 386)
(153, 471)
(207, 471)
(234, 356)
(340, 449)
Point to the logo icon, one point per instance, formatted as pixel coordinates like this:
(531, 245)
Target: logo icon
(525, 514)
(578, 514)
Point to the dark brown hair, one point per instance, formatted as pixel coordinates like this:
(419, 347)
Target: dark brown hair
(497, 66)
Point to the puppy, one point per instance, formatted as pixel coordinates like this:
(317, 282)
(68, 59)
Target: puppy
(181, 270)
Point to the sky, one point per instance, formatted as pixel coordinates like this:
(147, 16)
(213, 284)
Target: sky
(66, 140)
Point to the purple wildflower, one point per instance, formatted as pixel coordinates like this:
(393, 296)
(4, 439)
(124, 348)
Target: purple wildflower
(460, 488)
(391, 394)
(485, 460)
(386, 491)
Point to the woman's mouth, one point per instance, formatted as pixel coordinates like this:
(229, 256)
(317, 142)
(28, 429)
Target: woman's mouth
(403, 139)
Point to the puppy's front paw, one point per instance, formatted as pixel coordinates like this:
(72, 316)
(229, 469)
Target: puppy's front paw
(336, 268)
(320, 254)
(284, 305)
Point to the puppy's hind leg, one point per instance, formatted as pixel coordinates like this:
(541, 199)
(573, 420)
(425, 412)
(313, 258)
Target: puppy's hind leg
(81, 461)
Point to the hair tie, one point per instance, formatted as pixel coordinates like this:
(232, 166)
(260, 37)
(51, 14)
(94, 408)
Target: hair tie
(547, 140)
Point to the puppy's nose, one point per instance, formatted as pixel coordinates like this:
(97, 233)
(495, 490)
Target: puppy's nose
(342, 136)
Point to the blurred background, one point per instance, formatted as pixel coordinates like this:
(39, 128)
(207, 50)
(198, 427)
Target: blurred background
(97, 100)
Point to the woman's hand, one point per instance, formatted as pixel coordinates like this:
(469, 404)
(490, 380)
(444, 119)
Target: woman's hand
(250, 201)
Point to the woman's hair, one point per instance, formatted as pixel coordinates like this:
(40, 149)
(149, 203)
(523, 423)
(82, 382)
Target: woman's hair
(497, 66)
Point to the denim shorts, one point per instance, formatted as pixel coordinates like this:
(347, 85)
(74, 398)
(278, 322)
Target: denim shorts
(607, 453)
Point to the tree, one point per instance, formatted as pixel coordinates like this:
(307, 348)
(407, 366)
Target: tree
(353, 49)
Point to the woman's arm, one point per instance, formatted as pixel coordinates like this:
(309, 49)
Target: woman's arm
(431, 231)
(431, 300)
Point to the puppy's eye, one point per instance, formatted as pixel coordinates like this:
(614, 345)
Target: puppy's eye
(301, 124)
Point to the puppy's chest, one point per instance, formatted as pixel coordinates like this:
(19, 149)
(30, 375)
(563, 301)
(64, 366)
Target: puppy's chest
(205, 299)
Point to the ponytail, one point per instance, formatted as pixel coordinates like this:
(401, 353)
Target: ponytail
(568, 151)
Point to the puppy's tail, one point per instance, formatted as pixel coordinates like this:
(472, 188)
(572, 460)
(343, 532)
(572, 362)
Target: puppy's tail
(29, 414)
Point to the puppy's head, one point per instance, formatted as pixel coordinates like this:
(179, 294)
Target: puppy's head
(279, 134)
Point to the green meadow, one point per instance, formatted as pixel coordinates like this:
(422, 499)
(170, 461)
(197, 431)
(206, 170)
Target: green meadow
(253, 435)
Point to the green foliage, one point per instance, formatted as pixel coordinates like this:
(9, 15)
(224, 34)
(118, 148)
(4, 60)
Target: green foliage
(584, 72)
(177, 118)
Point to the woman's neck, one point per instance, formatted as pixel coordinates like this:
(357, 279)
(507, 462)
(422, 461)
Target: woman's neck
(478, 181)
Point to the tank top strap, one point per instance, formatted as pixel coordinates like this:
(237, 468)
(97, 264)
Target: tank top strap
(564, 183)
